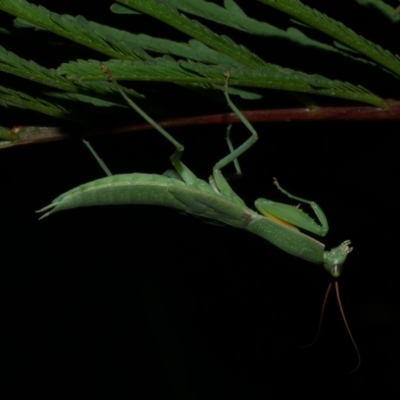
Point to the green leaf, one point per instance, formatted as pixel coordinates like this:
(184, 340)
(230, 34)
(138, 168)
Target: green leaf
(7, 135)
(11, 63)
(193, 50)
(385, 9)
(77, 29)
(194, 73)
(200, 64)
(119, 9)
(338, 31)
(233, 16)
(168, 14)
(19, 99)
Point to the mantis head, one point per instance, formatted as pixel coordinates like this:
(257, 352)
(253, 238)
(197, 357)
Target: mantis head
(334, 259)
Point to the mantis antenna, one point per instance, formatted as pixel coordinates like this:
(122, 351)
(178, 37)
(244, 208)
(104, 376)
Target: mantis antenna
(344, 320)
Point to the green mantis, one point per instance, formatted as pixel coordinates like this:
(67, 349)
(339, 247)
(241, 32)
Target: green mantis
(181, 189)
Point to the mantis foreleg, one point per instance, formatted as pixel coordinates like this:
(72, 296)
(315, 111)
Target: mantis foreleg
(318, 230)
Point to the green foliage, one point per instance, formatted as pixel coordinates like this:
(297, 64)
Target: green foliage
(198, 60)
(338, 31)
(10, 96)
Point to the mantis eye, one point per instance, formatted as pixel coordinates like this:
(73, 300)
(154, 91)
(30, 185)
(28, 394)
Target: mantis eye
(336, 270)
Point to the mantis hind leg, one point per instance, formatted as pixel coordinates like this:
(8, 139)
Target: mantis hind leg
(179, 146)
(184, 172)
(235, 153)
(238, 172)
(218, 181)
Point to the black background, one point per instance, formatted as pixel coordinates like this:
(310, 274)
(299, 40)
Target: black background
(145, 301)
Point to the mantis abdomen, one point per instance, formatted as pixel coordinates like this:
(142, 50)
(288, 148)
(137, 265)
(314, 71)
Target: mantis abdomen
(169, 192)
(119, 189)
(152, 190)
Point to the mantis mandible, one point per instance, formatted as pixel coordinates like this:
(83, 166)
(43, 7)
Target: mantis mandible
(180, 189)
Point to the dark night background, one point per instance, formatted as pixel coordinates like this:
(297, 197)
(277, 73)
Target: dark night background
(147, 302)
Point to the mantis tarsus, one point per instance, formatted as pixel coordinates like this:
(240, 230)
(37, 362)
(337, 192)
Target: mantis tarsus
(181, 189)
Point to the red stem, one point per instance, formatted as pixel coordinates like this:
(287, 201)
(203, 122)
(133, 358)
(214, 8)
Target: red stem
(358, 113)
